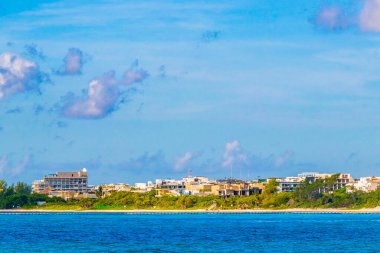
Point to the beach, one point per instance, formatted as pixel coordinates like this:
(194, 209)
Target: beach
(237, 211)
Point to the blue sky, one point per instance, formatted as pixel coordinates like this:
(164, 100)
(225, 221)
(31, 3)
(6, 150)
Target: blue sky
(138, 90)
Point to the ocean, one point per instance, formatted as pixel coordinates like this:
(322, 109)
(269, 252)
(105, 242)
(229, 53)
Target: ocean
(123, 232)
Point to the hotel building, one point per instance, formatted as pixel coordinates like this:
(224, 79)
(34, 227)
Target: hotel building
(71, 182)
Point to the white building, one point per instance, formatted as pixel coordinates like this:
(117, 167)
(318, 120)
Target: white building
(367, 184)
(289, 184)
(141, 186)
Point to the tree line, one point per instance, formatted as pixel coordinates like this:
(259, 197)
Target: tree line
(19, 195)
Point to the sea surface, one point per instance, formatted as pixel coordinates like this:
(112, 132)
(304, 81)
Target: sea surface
(122, 232)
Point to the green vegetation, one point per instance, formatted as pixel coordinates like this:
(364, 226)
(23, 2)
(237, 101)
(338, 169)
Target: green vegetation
(309, 194)
(19, 195)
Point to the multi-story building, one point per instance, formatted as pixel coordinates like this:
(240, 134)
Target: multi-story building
(234, 187)
(343, 180)
(72, 182)
(289, 184)
(169, 187)
(170, 184)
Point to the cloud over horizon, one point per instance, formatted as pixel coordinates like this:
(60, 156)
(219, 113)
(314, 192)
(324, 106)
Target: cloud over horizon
(233, 154)
(18, 75)
(11, 168)
(182, 162)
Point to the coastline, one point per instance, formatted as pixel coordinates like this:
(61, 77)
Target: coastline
(375, 210)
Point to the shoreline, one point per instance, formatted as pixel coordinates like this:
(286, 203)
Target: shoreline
(375, 210)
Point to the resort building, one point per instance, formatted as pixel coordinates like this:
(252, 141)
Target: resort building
(202, 189)
(233, 187)
(69, 182)
(288, 184)
(169, 187)
(170, 184)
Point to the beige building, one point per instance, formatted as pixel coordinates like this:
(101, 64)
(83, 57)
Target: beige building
(227, 189)
(66, 183)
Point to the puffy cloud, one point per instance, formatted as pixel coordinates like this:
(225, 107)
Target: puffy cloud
(73, 62)
(181, 162)
(100, 99)
(233, 154)
(103, 96)
(134, 74)
(18, 75)
(369, 18)
(331, 18)
(247, 165)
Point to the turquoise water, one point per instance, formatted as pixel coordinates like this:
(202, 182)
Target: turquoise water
(117, 232)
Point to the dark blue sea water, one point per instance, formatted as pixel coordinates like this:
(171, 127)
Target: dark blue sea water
(117, 232)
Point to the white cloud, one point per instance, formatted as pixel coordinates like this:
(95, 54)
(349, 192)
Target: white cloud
(181, 162)
(233, 154)
(369, 18)
(18, 75)
(101, 99)
(103, 96)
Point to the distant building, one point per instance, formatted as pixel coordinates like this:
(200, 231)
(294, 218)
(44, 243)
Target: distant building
(170, 184)
(288, 184)
(62, 182)
(196, 180)
(228, 190)
(108, 189)
(141, 186)
(366, 184)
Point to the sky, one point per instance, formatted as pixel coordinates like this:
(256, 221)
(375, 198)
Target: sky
(138, 90)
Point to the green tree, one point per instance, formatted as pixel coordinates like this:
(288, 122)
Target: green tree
(99, 192)
(271, 187)
(3, 185)
(22, 188)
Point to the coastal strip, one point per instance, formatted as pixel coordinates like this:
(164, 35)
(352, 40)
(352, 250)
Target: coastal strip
(204, 211)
